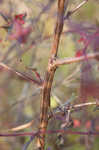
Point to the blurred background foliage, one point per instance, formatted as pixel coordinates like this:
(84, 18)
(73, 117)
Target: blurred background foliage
(19, 99)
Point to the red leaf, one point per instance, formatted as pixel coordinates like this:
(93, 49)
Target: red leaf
(0, 40)
(76, 123)
(20, 18)
(19, 32)
(81, 39)
(79, 53)
(88, 124)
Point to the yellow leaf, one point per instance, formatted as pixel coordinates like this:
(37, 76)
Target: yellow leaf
(54, 103)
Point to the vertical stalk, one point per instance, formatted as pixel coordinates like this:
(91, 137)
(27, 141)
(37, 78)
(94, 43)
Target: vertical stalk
(45, 101)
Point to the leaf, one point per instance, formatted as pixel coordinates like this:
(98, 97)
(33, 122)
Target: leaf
(54, 103)
(79, 53)
(15, 29)
(76, 123)
(19, 32)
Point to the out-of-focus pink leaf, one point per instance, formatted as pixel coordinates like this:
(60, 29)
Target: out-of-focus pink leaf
(19, 32)
(16, 30)
(89, 36)
(20, 18)
(89, 86)
(79, 53)
(76, 123)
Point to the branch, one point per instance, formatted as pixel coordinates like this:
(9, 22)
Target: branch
(21, 127)
(73, 132)
(45, 102)
(49, 132)
(59, 62)
(69, 13)
(64, 107)
(19, 74)
(18, 134)
(84, 104)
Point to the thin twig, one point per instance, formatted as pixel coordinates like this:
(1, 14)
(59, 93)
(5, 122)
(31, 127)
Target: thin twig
(19, 74)
(69, 60)
(21, 127)
(84, 104)
(69, 13)
(58, 110)
(49, 132)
